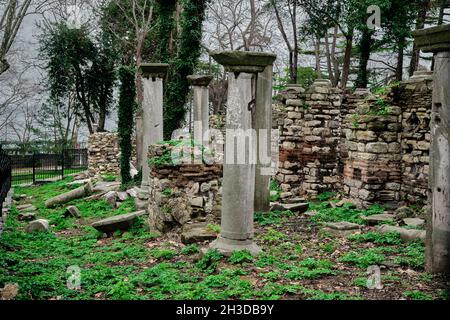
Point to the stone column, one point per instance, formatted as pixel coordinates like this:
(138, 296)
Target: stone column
(437, 40)
(152, 112)
(239, 165)
(201, 105)
(263, 126)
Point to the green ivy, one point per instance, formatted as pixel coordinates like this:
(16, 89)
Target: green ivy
(184, 64)
(126, 111)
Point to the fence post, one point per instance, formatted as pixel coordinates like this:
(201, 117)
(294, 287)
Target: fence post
(34, 167)
(62, 164)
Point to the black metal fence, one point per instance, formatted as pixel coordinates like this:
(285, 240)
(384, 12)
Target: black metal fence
(37, 167)
(5, 177)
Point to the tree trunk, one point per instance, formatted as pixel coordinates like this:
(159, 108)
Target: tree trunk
(334, 60)
(365, 49)
(317, 52)
(400, 59)
(347, 60)
(328, 53)
(420, 24)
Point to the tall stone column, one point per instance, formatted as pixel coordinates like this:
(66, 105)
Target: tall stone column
(152, 112)
(263, 126)
(437, 40)
(240, 149)
(201, 105)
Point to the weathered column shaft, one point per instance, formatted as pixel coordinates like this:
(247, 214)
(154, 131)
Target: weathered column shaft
(200, 112)
(139, 137)
(201, 105)
(152, 120)
(437, 40)
(263, 126)
(238, 179)
(439, 246)
(238, 195)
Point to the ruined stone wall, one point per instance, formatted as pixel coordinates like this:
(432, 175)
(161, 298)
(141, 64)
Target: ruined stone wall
(180, 193)
(415, 99)
(104, 154)
(372, 167)
(372, 147)
(309, 124)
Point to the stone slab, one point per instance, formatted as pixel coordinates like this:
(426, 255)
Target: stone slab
(414, 222)
(407, 235)
(378, 218)
(120, 222)
(197, 232)
(37, 225)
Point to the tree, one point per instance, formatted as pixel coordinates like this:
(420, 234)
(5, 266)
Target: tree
(337, 14)
(402, 14)
(78, 65)
(238, 25)
(13, 13)
(292, 45)
(184, 64)
(420, 24)
(130, 22)
(126, 110)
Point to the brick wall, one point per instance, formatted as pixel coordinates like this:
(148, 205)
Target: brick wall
(372, 147)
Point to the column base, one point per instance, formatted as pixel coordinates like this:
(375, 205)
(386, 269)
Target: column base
(228, 246)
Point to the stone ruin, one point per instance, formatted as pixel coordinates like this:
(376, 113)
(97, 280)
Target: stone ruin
(180, 193)
(104, 154)
(370, 147)
(373, 148)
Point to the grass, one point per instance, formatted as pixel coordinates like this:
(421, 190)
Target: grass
(24, 177)
(138, 264)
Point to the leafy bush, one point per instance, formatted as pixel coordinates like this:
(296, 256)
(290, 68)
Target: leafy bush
(363, 258)
(241, 256)
(417, 295)
(276, 189)
(190, 249)
(210, 261)
(166, 254)
(272, 217)
(392, 238)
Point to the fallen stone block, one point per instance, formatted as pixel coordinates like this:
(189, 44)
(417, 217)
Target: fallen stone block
(122, 196)
(111, 198)
(296, 207)
(197, 202)
(106, 187)
(78, 182)
(120, 222)
(294, 200)
(9, 291)
(72, 211)
(37, 225)
(343, 225)
(407, 235)
(378, 218)
(26, 207)
(197, 232)
(26, 216)
(132, 193)
(77, 193)
(414, 222)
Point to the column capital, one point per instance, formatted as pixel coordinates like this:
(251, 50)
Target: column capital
(158, 70)
(435, 39)
(199, 80)
(244, 61)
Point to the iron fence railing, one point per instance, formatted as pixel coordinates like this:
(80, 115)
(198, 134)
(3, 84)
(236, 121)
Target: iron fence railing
(5, 177)
(35, 167)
